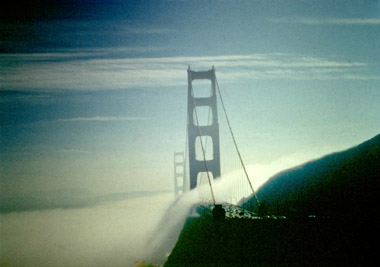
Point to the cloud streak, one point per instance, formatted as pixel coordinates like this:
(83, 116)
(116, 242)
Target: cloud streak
(89, 119)
(99, 118)
(124, 73)
(328, 21)
(78, 53)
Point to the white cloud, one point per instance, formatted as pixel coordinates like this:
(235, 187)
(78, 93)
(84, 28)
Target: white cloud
(331, 21)
(90, 119)
(124, 73)
(78, 53)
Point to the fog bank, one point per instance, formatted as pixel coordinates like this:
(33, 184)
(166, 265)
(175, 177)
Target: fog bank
(111, 234)
(117, 233)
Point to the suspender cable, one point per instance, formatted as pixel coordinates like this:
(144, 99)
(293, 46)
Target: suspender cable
(237, 149)
(203, 149)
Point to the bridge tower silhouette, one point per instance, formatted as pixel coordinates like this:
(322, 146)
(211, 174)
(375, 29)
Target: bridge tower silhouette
(180, 181)
(194, 130)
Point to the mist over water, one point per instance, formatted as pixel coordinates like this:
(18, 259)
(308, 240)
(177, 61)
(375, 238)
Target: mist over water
(118, 233)
(110, 234)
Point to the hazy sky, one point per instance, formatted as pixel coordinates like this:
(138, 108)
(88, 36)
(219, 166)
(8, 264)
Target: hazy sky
(93, 93)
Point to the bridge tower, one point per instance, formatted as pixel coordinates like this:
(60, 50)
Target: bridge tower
(211, 131)
(180, 181)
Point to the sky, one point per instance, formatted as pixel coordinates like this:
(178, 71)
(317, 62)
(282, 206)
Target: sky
(93, 95)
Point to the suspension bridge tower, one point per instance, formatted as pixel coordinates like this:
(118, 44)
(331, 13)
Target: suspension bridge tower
(197, 133)
(180, 178)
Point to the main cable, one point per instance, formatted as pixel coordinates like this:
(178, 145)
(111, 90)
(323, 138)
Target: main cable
(237, 149)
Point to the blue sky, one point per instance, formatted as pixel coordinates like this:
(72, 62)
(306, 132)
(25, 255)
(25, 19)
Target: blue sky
(93, 93)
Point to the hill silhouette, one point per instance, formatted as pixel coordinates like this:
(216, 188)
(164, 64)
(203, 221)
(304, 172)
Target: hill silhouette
(331, 219)
(343, 184)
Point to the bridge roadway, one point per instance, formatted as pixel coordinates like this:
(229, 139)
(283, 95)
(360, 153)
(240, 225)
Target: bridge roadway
(231, 211)
(243, 238)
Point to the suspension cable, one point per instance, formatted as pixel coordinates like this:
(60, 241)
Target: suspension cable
(237, 149)
(203, 149)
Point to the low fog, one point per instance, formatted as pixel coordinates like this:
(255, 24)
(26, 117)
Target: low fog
(111, 234)
(117, 233)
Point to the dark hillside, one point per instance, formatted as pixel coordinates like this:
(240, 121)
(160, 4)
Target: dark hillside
(341, 184)
(273, 242)
(331, 219)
